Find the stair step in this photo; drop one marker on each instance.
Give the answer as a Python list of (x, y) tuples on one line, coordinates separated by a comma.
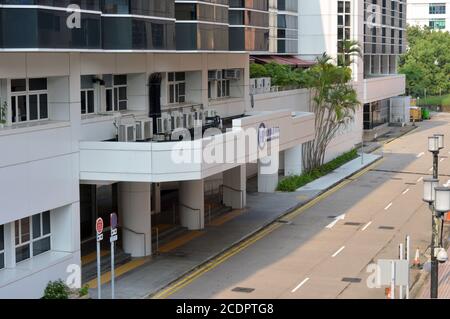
[(89, 271), (169, 234)]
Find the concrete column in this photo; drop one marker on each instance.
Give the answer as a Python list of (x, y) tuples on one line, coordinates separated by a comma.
[(235, 187), (135, 210), (268, 173), (157, 197), (192, 204), (293, 161), (10, 245)]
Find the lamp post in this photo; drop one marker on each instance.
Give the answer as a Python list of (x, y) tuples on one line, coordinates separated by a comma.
[(435, 144)]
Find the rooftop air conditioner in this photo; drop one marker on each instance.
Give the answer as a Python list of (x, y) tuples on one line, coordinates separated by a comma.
[(144, 129), (127, 133), (233, 74), (160, 125), (211, 113)]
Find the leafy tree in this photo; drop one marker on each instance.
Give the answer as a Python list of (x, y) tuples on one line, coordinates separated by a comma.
[(334, 102), (282, 75), (427, 62), (350, 50)]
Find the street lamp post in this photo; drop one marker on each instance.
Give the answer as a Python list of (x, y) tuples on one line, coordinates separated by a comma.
[(435, 144)]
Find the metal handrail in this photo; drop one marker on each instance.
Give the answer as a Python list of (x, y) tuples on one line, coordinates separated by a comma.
[(198, 210), (234, 190), (137, 233)]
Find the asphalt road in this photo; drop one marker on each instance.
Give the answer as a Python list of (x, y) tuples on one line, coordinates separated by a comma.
[(313, 256)]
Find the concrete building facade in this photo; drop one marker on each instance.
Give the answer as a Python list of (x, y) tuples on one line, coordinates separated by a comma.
[(433, 14)]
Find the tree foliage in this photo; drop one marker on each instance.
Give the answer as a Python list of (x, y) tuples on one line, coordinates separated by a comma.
[(334, 102), (427, 62), (282, 75)]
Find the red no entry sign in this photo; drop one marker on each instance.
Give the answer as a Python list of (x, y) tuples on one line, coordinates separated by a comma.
[(99, 226)]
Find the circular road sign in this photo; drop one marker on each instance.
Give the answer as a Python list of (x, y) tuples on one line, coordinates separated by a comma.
[(99, 226)]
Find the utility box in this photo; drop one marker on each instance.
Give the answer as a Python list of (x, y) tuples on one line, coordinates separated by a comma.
[(416, 114)]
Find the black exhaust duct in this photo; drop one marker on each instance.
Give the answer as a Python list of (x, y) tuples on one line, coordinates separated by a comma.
[(154, 98)]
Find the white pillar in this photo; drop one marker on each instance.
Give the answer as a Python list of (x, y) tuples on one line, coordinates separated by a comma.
[(235, 187), (135, 210), (268, 173), (293, 161), (192, 204)]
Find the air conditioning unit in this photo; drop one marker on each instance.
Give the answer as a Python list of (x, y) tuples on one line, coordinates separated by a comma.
[(127, 133), (144, 129), (177, 119), (233, 74), (213, 75), (210, 113), (267, 84), (198, 115), (188, 120), (160, 125)]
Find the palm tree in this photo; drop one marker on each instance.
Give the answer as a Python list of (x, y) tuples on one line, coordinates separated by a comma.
[(350, 50)]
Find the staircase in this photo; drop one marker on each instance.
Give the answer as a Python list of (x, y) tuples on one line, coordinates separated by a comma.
[(89, 271)]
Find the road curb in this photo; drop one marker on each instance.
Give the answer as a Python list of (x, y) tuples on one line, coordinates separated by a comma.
[(260, 229)]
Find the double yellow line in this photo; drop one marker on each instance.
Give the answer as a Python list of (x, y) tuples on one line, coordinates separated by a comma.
[(186, 280)]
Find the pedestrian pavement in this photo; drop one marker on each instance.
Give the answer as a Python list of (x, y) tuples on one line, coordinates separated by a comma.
[(159, 271), (444, 282)]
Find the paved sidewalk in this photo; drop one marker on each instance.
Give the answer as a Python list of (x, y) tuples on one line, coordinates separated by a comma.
[(263, 209), (444, 282)]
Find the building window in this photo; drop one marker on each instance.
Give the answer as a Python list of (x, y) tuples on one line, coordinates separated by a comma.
[(437, 24), (176, 87), (87, 95), (437, 8), (344, 26), (29, 100), (2, 247), (116, 92), (223, 86), (32, 236)]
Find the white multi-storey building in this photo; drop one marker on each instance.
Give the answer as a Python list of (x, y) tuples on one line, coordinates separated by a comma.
[(91, 115), (433, 14), (380, 27)]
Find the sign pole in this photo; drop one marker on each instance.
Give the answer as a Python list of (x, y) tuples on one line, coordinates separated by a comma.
[(99, 282), (401, 254), (392, 280), (113, 239), (99, 230), (408, 243), (112, 270)]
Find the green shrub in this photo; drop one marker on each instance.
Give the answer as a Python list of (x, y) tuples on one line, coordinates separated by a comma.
[(83, 291), (258, 71), (292, 183), (56, 290)]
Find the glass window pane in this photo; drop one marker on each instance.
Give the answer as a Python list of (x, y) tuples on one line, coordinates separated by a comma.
[(36, 226), (109, 100), (171, 93), (182, 89), (22, 253), (46, 223), (171, 77), (83, 102), (22, 108), (120, 80), (90, 102), (17, 232), (2, 261), (108, 80), (33, 99), (38, 84), (13, 109), (2, 238), (41, 246), (25, 229), (123, 105), (116, 98), (18, 85), (43, 106), (180, 76), (122, 93)]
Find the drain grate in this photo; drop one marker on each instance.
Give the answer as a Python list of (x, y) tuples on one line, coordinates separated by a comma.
[(386, 227), (179, 254), (331, 217), (411, 184), (396, 178), (243, 290), (352, 280), (286, 222), (352, 224)]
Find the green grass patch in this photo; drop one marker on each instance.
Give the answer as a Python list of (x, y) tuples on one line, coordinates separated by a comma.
[(443, 100), (292, 183)]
